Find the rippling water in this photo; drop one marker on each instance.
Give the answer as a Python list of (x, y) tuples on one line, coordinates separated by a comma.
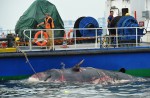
[(25, 89)]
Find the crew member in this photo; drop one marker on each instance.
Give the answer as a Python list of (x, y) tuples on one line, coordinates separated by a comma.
[(3, 35), (49, 24), (110, 18)]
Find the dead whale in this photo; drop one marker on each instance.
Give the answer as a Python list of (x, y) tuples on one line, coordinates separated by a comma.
[(82, 75)]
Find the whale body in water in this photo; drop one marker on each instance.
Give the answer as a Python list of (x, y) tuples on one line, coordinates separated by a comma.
[(81, 75)]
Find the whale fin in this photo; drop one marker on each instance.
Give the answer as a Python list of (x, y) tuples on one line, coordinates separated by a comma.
[(63, 65), (76, 68)]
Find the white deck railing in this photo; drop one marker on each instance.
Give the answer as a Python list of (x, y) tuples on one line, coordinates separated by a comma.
[(98, 41)]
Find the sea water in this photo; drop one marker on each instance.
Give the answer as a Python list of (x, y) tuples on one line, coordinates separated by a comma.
[(25, 89)]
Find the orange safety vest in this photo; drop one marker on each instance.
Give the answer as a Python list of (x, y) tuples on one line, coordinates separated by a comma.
[(49, 25)]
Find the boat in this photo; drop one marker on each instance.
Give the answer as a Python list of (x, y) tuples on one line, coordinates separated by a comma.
[(126, 50), (22, 61)]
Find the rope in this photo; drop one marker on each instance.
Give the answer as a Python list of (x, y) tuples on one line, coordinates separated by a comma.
[(27, 60)]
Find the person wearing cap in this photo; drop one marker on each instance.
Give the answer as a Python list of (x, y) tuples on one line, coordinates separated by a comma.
[(49, 24)]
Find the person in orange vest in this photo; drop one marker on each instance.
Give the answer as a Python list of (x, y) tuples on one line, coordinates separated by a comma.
[(49, 24)]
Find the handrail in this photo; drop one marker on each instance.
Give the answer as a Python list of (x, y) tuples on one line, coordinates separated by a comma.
[(98, 38), (91, 28), (25, 34)]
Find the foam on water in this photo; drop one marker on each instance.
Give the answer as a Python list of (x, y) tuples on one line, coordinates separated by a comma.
[(25, 89)]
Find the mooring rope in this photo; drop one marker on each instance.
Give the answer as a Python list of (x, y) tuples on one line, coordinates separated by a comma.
[(27, 60)]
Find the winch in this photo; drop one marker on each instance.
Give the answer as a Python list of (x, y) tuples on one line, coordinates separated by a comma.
[(128, 30)]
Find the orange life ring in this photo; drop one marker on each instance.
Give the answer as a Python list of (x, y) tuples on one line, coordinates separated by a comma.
[(44, 42), (67, 36), (70, 31)]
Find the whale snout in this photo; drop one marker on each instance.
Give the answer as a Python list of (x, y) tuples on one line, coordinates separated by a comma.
[(32, 79), (37, 77)]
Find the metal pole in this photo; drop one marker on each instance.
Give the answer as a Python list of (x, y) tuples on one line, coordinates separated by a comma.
[(136, 37), (116, 37), (96, 38), (53, 38), (41, 35), (75, 40), (30, 41), (100, 43)]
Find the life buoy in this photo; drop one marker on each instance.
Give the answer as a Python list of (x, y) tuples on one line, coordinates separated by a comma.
[(68, 35), (44, 42)]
